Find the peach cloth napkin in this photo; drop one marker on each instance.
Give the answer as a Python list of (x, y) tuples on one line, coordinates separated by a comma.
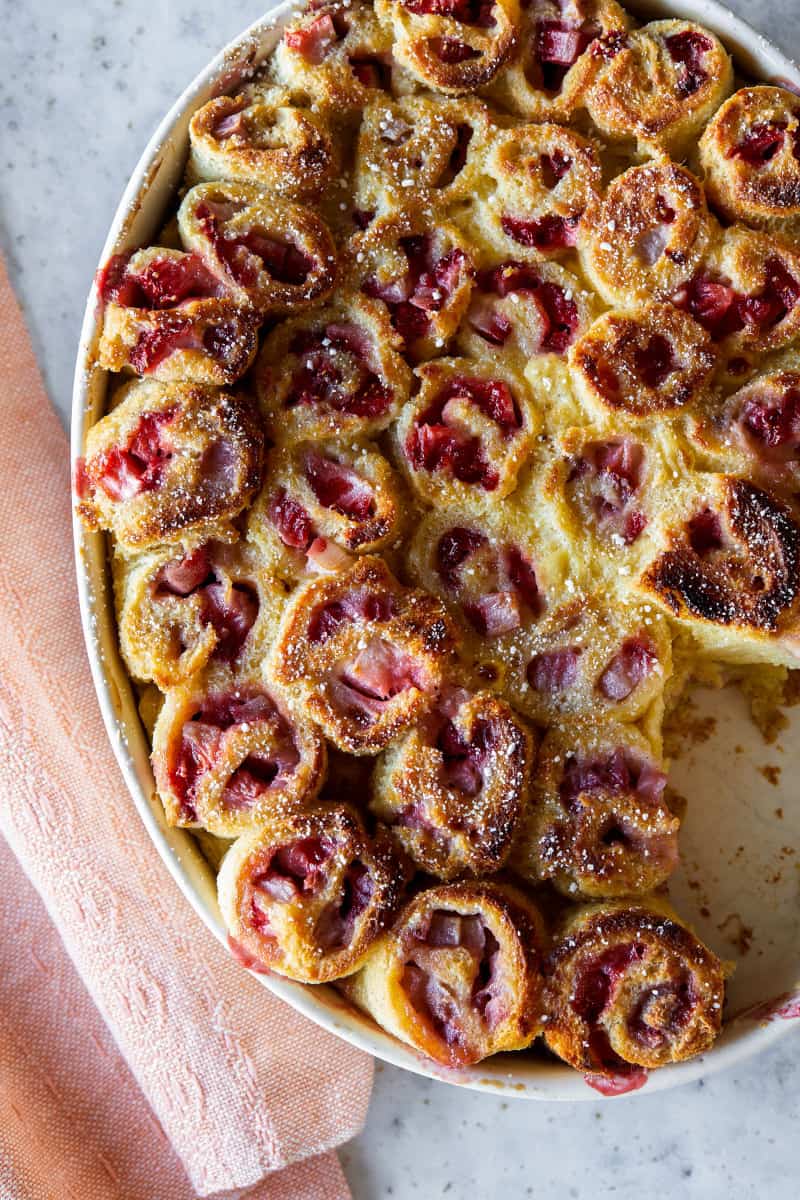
[(240, 1085)]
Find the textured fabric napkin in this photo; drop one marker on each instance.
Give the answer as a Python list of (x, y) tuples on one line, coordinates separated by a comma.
[(241, 1086)]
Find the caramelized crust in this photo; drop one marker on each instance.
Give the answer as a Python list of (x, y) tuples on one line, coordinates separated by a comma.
[(647, 236), (259, 136), (168, 461), (630, 987), (180, 608), (451, 47), (335, 373), (597, 825), (273, 254), (659, 85), (307, 895), (731, 565), (656, 362), (750, 153), (228, 756), (464, 436), (361, 656), (452, 791), (560, 49), (458, 977)]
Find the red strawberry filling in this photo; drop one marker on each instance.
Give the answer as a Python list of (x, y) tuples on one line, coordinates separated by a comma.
[(339, 487), (611, 474), (451, 51), (598, 980), (458, 156), (554, 671), (424, 289), (333, 373), (760, 144), (294, 870), (203, 741), (687, 50), (550, 232), (314, 41), (369, 607), (164, 283), (362, 687), (723, 311), (294, 525), (467, 12), (557, 46), (558, 313), (336, 923), (512, 591), (247, 255), (436, 442), (463, 761), (656, 361), (630, 666), (436, 1003), (772, 421), (371, 71), (232, 616), (615, 773), (125, 472)]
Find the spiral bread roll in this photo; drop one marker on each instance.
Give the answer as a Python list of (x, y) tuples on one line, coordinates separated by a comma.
[(758, 431), (227, 755), (338, 53), (545, 178), (629, 987), (306, 895), (335, 373), (321, 500), (180, 608), (659, 85), (169, 460), (464, 436), (451, 46), (747, 293), (750, 153), (273, 254), (597, 825), (729, 568), (421, 272), (459, 975), (453, 789), (524, 309), (647, 235), (560, 47), (585, 658), (167, 316), (360, 655), (259, 136), (418, 151), (600, 493), (655, 362)]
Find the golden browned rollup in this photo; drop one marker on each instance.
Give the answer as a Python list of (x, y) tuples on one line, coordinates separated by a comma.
[(307, 895), (458, 977)]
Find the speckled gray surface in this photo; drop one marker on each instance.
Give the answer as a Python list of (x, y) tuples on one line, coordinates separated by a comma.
[(82, 84)]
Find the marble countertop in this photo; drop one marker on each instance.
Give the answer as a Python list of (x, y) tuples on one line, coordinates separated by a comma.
[(82, 85)]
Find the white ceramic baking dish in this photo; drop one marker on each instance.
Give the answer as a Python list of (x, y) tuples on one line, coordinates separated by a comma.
[(738, 884)]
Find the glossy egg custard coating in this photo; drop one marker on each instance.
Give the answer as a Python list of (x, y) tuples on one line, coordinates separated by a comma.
[(453, 418)]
